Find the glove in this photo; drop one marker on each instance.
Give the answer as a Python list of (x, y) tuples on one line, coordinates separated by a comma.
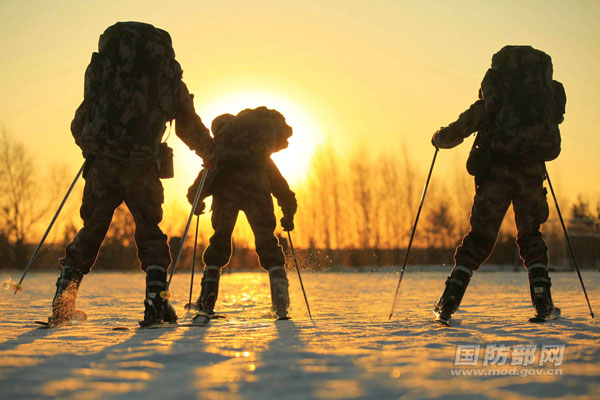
[(434, 138), (200, 208), (210, 161), (287, 223), (191, 194)]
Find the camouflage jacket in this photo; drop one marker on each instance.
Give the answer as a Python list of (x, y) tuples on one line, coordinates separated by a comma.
[(267, 178)]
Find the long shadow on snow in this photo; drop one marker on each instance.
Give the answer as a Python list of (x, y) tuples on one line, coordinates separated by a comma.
[(27, 337), (289, 370), (144, 356), (178, 375)]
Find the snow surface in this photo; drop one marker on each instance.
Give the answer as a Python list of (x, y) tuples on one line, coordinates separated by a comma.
[(350, 351)]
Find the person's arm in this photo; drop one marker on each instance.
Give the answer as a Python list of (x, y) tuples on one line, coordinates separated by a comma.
[(286, 198), (190, 129), (468, 122), (92, 83), (560, 101), (472, 120), (191, 194)]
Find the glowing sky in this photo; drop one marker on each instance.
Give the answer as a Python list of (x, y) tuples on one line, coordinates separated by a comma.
[(373, 73)]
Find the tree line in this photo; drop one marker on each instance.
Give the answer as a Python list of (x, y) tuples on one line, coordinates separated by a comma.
[(356, 209)]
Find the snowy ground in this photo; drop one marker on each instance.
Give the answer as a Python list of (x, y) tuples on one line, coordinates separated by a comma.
[(350, 351)]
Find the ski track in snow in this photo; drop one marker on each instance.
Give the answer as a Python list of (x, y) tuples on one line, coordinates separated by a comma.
[(350, 351)]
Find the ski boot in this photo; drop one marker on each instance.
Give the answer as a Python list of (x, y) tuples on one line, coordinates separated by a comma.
[(539, 286), (280, 297), (157, 308), (456, 284), (63, 304), (210, 290), (205, 304)]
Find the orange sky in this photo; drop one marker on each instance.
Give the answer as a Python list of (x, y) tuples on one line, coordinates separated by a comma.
[(377, 74)]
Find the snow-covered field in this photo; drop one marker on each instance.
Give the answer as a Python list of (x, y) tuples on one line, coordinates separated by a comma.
[(350, 351)]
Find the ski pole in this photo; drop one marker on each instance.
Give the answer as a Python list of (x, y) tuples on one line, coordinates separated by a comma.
[(412, 235), (18, 286), (189, 305), (165, 294), (299, 276), (562, 222)]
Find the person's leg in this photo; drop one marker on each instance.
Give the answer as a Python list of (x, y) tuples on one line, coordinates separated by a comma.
[(218, 252), (491, 202), (531, 210), (261, 216), (101, 196), (492, 199), (100, 199), (144, 196)]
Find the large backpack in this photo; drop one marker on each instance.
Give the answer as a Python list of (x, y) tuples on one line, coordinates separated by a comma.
[(530, 105), (251, 137), (131, 83)]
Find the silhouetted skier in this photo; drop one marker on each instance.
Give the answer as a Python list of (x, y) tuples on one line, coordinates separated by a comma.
[(517, 117), (133, 87), (243, 180)]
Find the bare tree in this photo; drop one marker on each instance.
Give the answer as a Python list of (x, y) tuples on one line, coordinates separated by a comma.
[(360, 180), (21, 206)]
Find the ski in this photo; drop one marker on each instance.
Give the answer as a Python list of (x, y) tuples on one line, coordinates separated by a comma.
[(162, 325), (158, 326), (554, 314), (78, 318), (439, 318), (194, 306), (197, 321), (201, 319), (44, 325)]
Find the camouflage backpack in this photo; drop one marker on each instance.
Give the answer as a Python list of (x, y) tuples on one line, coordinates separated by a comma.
[(131, 83), (529, 103), (251, 137)]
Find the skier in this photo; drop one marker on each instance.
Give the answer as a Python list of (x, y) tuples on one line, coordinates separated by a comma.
[(517, 117), (132, 88), (244, 180)]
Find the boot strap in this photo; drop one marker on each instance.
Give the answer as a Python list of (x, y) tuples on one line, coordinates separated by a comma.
[(209, 279), (539, 280), (156, 283), (456, 281), (537, 266), (155, 267), (279, 280), (463, 269), (67, 282), (273, 269)]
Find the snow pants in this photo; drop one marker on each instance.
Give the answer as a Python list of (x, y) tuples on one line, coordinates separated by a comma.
[(108, 183), (245, 192), (508, 181)]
